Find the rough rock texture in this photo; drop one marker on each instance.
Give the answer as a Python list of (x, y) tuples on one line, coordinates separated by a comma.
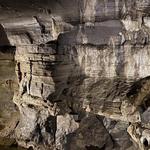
[(83, 72), (9, 116)]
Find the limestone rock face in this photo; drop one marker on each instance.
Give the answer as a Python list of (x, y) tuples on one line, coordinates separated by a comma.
[(9, 115), (78, 72)]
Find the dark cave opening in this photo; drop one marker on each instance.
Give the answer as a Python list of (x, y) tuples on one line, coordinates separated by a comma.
[(146, 103), (30, 148), (91, 147), (145, 142)]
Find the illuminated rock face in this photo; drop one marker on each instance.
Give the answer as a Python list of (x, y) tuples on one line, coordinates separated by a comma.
[(82, 73)]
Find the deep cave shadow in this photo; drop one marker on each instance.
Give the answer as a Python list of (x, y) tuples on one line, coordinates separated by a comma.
[(3, 37), (87, 125), (137, 87), (51, 126), (65, 49), (91, 147), (63, 71)]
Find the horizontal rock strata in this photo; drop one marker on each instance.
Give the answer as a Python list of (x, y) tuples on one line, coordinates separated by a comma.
[(82, 73)]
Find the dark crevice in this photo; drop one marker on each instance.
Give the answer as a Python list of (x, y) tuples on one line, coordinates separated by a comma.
[(53, 44), (19, 71), (137, 86), (30, 38), (30, 75), (145, 142), (31, 106), (30, 148), (42, 87), (7, 49), (42, 26), (91, 147), (3, 37), (146, 103), (50, 125)]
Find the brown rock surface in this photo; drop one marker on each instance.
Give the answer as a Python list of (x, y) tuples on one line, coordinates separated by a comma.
[(82, 73)]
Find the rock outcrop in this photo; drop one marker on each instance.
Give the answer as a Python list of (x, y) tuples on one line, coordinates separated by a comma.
[(82, 77)]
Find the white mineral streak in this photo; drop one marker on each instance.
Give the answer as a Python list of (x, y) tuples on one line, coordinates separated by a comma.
[(147, 21), (89, 10), (81, 36), (116, 6), (92, 66), (124, 9), (131, 25), (106, 8), (140, 60)]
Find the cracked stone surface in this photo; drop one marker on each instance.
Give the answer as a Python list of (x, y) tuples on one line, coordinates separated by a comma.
[(75, 75)]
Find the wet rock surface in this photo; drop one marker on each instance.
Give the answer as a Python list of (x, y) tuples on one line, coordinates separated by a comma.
[(78, 72)]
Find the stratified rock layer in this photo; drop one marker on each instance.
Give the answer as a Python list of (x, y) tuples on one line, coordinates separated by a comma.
[(83, 71)]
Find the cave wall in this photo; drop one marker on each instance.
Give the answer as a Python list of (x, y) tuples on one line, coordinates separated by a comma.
[(9, 115), (83, 71)]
